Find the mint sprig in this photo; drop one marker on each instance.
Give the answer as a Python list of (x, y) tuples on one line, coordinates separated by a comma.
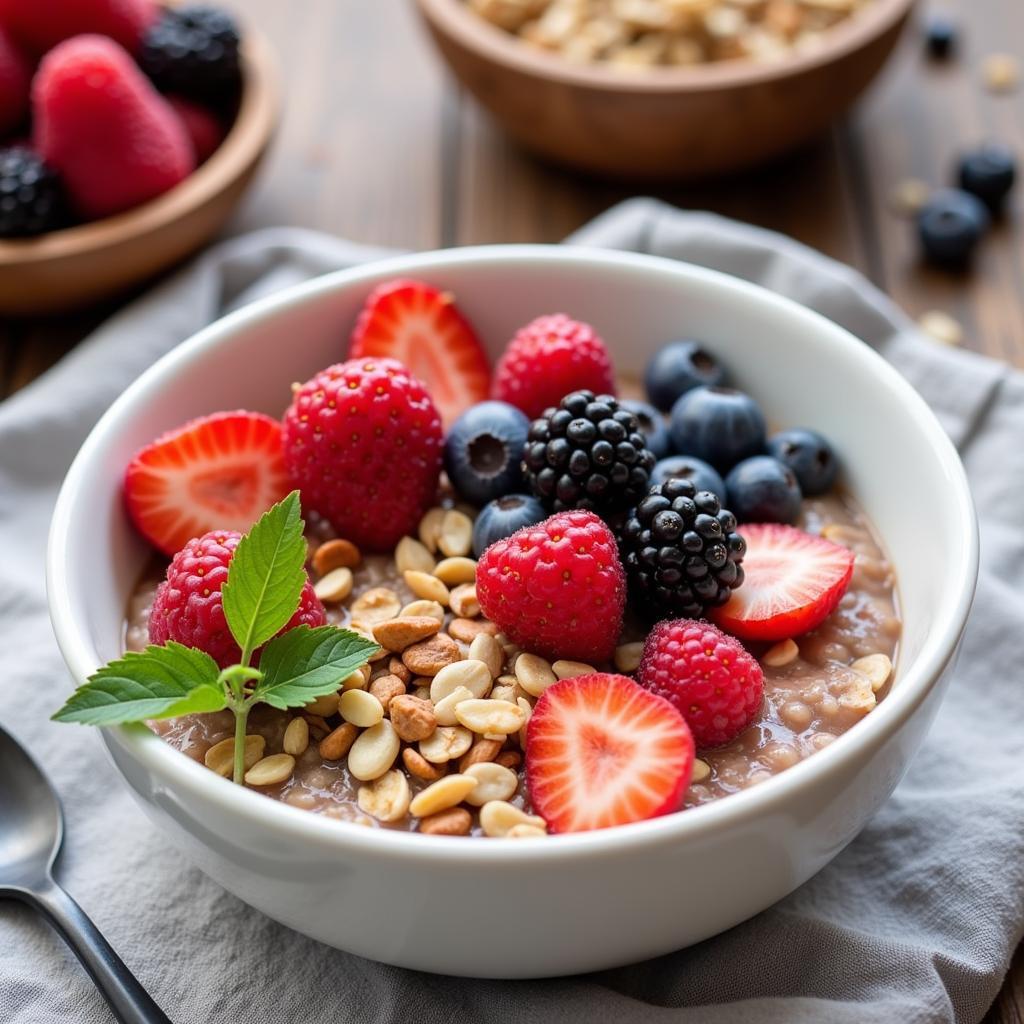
[(261, 594)]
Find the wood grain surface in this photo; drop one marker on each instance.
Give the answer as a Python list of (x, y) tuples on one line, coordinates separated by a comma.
[(377, 145)]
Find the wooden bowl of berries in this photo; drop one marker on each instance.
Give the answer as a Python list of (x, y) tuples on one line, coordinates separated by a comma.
[(128, 133), (662, 89)]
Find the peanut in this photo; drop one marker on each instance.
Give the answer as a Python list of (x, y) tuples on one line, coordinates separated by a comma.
[(480, 753), (473, 675), (335, 586), (465, 630), (411, 554), (425, 586), (220, 758), (296, 737), (428, 657), (416, 764), (455, 821), (441, 795), (446, 743), (386, 798), (498, 816), (273, 770), (374, 752), (456, 536), (453, 571), (335, 745), (360, 708), (396, 635)]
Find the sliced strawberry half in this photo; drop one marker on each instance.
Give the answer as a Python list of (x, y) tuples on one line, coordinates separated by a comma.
[(603, 751), (220, 472), (422, 328), (792, 582)]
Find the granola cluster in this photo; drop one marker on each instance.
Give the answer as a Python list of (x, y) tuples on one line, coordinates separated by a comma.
[(637, 34)]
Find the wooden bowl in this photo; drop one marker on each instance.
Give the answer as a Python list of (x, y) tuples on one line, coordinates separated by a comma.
[(664, 122), (80, 265)]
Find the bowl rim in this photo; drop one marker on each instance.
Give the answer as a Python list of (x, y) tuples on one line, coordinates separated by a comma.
[(294, 824), (454, 19), (249, 135)]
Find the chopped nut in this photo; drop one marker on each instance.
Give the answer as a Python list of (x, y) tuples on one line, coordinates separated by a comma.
[(273, 770), (456, 570), (374, 752), (481, 752), (411, 554), (360, 708), (220, 758), (627, 656), (337, 744), (416, 764), (428, 657), (571, 669), (876, 667), (398, 634), (498, 816), (296, 737), (455, 821), (396, 667), (441, 795), (464, 602), (386, 798), (375, 605), (456, 537), (493, 782), (858, 696), (386, 689), (466, 630), (430, 529), (509, 759), (486, 649), (425, 586), (781, 654), (413, 719), (446, 743), (534, 674), (475, 676), (490, 716), (334, 587), (444, 709), (701, 770), (419, 608), (335, 554)]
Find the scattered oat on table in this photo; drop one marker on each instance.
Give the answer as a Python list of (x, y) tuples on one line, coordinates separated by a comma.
[(941, 327), (1001, 72)]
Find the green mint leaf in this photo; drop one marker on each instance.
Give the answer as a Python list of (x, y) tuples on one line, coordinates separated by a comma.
[(305, 663), (159, 682), (265, 576)]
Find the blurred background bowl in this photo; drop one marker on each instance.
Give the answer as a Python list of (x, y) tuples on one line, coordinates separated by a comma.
[(663, 122), (81, 265)]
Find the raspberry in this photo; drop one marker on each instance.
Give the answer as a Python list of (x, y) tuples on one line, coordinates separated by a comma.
[(557, 588), (100, 123), (204, 128), (362, 441), (709, 677), (188, 606), (549, 358), (41, 26)]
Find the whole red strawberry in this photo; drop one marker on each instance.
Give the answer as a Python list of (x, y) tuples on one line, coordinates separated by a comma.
[(547, 359), (557, 588), (15, 77), (188, 607), (42, 26), (99, 122), (362, 442), (710, 678)]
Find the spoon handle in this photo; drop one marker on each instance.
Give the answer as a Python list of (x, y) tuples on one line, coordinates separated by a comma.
[(128, 1000)]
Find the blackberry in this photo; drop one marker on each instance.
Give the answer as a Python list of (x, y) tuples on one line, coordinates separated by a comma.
[(681, 552), (588, 453), (31, 196), (193, 52)]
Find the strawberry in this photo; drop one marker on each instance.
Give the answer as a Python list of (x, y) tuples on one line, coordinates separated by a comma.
[(362, 441), (547, 359), (15, 77), (42, 26), (421, 327), (793, 582), (100, 123), (556, 588), (220, 472), (602, 751)]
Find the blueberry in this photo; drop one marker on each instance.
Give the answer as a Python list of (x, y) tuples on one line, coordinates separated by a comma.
[(763, 490), (950, 225), (502, 517), (940, 36), (652, 425), (988, 172), (719, 425), (686, 467), (810, 457), (677, 368), (484, 450)]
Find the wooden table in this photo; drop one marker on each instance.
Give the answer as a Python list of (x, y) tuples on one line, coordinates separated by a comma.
[(379, 146)]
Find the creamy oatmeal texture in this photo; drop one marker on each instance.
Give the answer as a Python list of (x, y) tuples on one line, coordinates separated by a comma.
[(815, 689)]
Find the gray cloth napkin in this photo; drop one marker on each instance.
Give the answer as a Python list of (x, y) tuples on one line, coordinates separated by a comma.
[(916, 921)]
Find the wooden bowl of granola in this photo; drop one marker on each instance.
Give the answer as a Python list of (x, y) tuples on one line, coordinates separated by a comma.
[(628, 113)]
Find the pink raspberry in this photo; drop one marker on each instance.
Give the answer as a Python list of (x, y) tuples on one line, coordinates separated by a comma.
[(188, 606), (557, 588), (711, 679), (547, 359)]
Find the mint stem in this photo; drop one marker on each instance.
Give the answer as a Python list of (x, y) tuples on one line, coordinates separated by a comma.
[(234, 679), (241, 718)]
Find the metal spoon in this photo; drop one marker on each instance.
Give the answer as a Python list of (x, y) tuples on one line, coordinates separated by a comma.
[(31, 829)]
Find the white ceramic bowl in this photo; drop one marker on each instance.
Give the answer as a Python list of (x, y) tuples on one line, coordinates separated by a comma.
[(567, 903)]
